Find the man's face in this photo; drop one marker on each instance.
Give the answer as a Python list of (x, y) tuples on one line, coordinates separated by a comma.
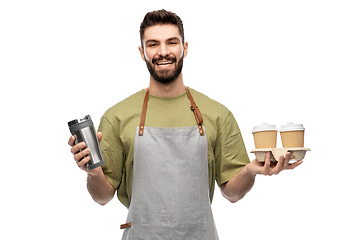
[(163, 52)]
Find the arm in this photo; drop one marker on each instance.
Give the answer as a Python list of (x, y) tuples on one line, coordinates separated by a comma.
[(98, 186), (240, 184)]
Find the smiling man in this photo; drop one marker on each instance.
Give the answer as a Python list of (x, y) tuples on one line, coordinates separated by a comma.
[(165, 147), (165, 67)]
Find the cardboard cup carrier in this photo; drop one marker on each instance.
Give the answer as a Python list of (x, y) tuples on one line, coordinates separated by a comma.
[(292, 136)]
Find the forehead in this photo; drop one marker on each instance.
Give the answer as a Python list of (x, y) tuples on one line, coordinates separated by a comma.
[(161, 32)]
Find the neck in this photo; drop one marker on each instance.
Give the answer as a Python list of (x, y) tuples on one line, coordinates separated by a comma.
[(173, 89)]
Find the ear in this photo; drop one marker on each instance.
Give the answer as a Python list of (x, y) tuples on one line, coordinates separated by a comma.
[(185, 49), (142, 54)]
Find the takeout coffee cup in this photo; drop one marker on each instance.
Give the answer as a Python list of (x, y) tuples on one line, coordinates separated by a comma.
[(292, 135), (265, 136)]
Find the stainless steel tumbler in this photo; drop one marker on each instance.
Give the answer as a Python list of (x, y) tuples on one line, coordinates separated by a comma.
[(85, 131)]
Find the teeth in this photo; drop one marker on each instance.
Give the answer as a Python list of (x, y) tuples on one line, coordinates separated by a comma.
[(164, 63)]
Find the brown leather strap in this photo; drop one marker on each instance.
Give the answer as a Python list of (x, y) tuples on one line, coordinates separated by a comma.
[(196, 112), (194, 108), (143, 114), (126, 225)]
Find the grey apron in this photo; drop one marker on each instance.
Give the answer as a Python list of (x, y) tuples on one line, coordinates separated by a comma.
[(170, 192)]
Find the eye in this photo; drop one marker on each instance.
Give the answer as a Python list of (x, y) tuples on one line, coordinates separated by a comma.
[(152, 44)]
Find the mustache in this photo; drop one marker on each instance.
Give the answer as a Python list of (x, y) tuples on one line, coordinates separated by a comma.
[(167, 58)]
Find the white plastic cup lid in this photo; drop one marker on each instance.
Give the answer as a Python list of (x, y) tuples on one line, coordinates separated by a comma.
[(264, 127), (292, 127)]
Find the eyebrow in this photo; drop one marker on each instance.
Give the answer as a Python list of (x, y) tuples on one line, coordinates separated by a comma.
[(173, 38), (169, 39)]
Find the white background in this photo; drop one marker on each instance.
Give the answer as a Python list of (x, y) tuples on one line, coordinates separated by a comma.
[(267, 61)]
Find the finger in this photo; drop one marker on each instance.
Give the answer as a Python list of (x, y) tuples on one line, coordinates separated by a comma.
[(80, 155), (83, 162), (279, 166), (267, 164), (286, 160), (294, 165), (71, 141), (78, 147)]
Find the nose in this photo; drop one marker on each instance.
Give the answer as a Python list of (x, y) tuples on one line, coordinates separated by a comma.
[(163, 50)]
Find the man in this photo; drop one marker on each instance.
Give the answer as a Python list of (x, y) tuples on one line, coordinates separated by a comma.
[(162, 145)]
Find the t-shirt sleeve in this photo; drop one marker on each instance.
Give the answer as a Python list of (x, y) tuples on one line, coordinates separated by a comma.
[(112, 152), (230, 152)]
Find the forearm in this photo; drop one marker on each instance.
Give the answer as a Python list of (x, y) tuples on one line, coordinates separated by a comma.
[(99, 188), (239, 185)]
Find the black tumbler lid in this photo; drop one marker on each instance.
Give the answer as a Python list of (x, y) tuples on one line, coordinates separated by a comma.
[(80, 123)]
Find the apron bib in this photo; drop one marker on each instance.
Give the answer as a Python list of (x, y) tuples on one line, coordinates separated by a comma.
[(170, 192)]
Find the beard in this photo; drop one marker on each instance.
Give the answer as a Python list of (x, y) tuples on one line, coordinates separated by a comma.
[(165, 75)]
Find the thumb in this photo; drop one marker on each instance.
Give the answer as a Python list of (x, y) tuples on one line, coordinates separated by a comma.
[(99, 136), (71, 141)]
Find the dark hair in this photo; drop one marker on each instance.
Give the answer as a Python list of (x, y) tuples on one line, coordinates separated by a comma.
[(161, 17)]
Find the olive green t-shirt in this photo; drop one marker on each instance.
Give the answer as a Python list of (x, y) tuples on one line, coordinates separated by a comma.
[(226, 151)]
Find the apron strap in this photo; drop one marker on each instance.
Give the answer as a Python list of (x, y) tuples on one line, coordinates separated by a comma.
[(126, 225), (143, 114), (194, 108), (196, 112)]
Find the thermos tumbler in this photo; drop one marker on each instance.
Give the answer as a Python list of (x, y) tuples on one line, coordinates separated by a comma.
[(84, 130)]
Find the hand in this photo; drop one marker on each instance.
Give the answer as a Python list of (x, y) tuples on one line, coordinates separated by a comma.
[(269, 168), (80, 155)]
